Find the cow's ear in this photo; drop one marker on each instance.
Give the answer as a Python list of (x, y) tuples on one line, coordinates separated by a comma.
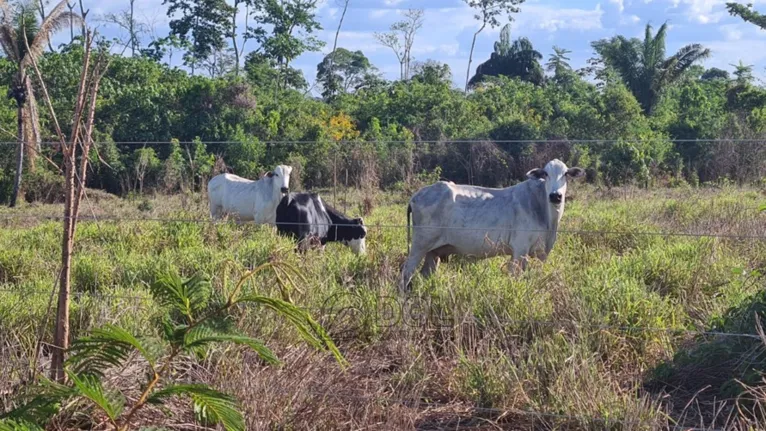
[(270, 174), (359, 221), (537, 174), (575, 172)]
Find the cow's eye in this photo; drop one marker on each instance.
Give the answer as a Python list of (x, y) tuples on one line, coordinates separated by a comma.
[(276, 175)]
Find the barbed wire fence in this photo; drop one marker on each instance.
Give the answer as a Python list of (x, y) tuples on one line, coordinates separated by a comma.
[(15, 354), (476, 160), (352, 142)]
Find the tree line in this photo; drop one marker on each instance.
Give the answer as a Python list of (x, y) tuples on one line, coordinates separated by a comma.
[(633, 114)]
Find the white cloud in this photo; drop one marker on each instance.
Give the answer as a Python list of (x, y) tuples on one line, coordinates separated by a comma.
[(553, 19), (630, 19), (725, 53), (378, 13), (353, 41), (450, 49), (392, 2), (620, 4), (702, 11), (731, 32)]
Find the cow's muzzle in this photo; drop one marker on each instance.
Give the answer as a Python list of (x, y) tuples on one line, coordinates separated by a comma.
[(555, 198), (285, 190)]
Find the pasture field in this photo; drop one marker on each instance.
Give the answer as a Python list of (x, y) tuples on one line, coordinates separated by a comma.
[(604, 335)]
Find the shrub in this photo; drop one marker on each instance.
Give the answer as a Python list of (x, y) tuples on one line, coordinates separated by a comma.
[(195, 320), (43, 186)]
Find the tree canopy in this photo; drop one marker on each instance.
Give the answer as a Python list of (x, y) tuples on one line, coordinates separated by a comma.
[(644, 103), (642, 64), (518, 59)]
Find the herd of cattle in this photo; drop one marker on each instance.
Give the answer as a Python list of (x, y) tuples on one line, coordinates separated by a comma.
[(447, 218)]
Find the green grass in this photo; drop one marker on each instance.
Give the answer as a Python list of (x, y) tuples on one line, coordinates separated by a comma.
[(561, 338)]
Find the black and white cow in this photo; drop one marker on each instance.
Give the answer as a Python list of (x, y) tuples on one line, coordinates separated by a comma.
[(305, 217)]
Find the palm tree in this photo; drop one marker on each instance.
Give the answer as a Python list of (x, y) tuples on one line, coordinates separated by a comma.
[(743, 73), (558, 62), (642, 65), (518, 59), (23, 40)]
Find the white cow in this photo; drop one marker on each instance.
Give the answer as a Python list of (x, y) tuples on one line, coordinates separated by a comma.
[(247, 199), (449, 218)]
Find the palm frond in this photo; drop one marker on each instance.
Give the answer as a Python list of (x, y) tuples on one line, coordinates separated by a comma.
[(9, 43), (41, 403), (214, 406), (26, 25), (91, 388), (648, 39), (654, 47), (7, 18), (186, 297), (11, 425), (627, 61), (673, 67), (201, 336), (57, 19), (311, 331), (172, 332), (104, 348)]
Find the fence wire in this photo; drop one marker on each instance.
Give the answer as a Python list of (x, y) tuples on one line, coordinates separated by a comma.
[(96, 219), (427, 141), (323, 312)]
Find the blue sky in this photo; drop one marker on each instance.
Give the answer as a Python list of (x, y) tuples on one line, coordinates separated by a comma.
[(449, 26)]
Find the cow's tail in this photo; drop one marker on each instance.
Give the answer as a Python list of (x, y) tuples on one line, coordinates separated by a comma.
[(409, 211)]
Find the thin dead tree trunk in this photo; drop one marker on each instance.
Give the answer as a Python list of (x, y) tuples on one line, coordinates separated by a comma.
[(74, 186), (335, 180), (20, 139), (337, 33), (234, 37), (33, 119), (83, 14), (71, 23), (345, 189), (132, 30), (61, 335), (470, 55)]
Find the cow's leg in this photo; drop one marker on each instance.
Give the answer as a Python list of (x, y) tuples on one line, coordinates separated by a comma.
[(301, 247), (430, 264), (517, 265), (520, 247), (215, 211), (540, 254), (413, 260)]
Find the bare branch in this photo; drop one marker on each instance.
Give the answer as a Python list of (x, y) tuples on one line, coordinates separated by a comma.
[(402, 47), (47, 98)]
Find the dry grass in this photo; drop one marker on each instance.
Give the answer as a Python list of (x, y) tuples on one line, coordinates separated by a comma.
[(543, 350)]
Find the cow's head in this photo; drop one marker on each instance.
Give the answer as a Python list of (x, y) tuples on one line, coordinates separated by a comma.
[(280, 179), (357, 233), (555, 174)]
